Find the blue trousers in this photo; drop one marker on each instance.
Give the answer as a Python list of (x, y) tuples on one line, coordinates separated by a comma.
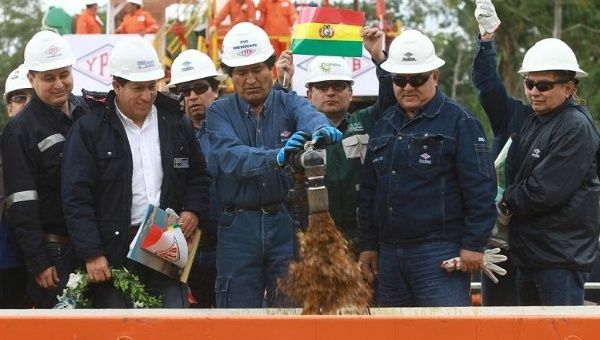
[(62, 255), (410, 276), (203, 276), (550, 287), (254, 250)]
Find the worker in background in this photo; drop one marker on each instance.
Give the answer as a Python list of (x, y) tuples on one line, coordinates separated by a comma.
[(13, 292), (329, 88), (32, 147), (88, 21), (137, 20), (238, 11), (277, 18), (253, 134), (193, 75)]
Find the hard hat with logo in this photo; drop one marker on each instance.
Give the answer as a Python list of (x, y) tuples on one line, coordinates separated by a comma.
[(192, 65), (549, 55), (17, 80), (47, 51), (324, 68), (246, 44), (412, 52), (134, 59), (136, 2)]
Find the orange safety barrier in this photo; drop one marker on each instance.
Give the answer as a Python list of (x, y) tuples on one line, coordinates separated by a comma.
[(500, 323)]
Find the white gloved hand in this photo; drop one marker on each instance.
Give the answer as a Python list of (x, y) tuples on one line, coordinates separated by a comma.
[(488, 264), (486, 16)]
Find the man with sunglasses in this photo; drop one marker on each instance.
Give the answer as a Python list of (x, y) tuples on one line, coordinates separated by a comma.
[(13, 293), (134, 149), (329, 88), (551, 200), (428, 187), (253, 133), (194, 76)]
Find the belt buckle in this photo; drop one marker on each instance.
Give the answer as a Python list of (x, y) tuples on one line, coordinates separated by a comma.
[(266, 211)]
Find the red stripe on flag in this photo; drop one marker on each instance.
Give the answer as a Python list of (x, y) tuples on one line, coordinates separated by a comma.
[(329, 15)]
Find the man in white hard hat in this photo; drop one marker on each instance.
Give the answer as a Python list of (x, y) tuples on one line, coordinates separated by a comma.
[(253, 133), (32, 146), (329, 88), (551, 200), (135, 149), (13, 293), (428, 187), (17, 91), (194, 76)]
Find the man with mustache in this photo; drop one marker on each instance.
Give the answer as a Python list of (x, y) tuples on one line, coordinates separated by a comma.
[(135, 149), (32, 147)]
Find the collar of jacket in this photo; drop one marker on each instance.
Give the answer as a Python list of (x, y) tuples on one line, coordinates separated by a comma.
[(247, 109), (430, 110), (75, 106), (569, 102)]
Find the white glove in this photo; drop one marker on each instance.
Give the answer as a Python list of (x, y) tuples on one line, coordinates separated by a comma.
[(486, 16), (488, 264)]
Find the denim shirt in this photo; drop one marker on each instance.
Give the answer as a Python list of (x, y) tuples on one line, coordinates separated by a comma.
[(427, 178), (245, 145)]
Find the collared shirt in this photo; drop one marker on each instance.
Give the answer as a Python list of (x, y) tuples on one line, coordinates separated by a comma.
[(147, 168), (245, 147)]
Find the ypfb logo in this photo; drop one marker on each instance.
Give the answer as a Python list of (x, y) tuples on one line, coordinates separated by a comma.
[(535, 153), (246, 53), (53, 51), (95, 64), (425, 158), (408, 56)]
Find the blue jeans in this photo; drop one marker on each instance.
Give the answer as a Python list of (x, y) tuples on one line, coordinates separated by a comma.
[(173, 294), (550, 287), (62, 255), (203, 276), (411, 276), (503, 293), (254, 251)]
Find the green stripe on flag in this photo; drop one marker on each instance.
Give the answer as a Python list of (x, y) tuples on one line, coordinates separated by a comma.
[(327, 47)]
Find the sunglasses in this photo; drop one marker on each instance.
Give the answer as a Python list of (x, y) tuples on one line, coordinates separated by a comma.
[(19, 98), (414, 81), (543, 85), (198, 88), (337, 86)]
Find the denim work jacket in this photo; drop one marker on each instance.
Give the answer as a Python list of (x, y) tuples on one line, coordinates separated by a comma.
[(428, 178)]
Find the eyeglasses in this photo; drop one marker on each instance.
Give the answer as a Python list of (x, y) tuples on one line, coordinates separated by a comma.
[(198, 88), (19, 98), (337, 86), (543, 85), (414, 81)]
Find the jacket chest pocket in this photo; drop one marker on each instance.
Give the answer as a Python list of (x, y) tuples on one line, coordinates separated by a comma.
[(425, 153), (110, 164), (379, 148), (355, 146)]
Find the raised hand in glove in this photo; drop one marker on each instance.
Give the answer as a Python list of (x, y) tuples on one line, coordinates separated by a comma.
[(325, 136), (488, 264), (294, 144), (486, 16)]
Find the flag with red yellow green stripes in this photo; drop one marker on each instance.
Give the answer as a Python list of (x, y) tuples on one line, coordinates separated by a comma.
[(328, 31)]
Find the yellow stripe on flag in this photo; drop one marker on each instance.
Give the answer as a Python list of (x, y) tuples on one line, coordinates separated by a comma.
[(338, 32)]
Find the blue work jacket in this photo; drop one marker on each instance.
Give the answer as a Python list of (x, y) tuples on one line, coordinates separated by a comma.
[(245, 147), (427, 178)]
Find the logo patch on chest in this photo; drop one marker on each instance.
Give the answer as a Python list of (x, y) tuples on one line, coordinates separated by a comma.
[(181, 163), (425, 158), (535, 153)]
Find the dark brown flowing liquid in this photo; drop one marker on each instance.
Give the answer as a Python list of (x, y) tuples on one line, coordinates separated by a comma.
[(326, 279)]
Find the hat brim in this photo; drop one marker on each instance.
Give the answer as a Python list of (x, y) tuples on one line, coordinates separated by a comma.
[(394, 68)]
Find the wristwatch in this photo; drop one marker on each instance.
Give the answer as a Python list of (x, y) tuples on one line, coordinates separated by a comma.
[(504, 208)]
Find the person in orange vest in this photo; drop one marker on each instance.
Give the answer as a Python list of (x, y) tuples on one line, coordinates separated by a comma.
[(137, 20), (238, 11), (277, 18), (88, 21)]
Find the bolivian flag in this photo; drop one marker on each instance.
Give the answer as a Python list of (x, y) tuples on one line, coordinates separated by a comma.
[(328, 31)]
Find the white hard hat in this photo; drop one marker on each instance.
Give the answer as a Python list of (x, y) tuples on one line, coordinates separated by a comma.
[(17, 80), (136, 2), (412, 52), (47, 51), (328, 68), (192, 65), (134, 59), (551, 55), (87, 3), (246, 44)]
